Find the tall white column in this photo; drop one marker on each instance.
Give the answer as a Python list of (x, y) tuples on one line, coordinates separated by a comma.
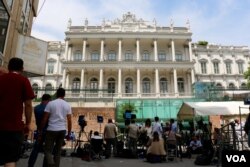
[(84, 50), (192, 76), (138, 82), (155, 50), (101, 83), (120, 50), (173, 50), (189, 85), (119, 82), (63, 78), (70, 53), (66, 49), (67, 81), (102, 50), (137, 50), (82, 79), (175, 82), (157, 89), (190, 51)]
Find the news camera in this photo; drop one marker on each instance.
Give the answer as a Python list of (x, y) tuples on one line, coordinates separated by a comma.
[(82, 122)]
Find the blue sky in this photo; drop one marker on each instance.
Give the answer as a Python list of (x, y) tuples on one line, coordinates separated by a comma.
[(225, 22)]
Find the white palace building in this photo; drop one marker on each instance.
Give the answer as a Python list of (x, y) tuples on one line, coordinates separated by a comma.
[(130, 58)]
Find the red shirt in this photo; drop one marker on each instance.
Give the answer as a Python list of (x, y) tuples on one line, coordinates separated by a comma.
[(14, 90)]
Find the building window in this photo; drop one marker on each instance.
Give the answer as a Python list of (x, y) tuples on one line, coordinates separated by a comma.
[(146, 85), (243, 86), (94, 84), (111, 85), (203, 67), (218, 86), (95, 56), (128, 85), (50, 69), (48, 88), (231, 86), (145, 56), (228, 68), (163, 85), (180, 83), (4, 26), (77, 56), (112, 56), (162, 56), (216, 67), (128, 56), (178, 57), (240, 68), (76, 85)]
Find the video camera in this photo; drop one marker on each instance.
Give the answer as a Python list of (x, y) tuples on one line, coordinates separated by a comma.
[(82, 122)]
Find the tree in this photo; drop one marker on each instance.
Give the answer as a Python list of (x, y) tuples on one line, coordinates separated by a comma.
[(247, 76), (125, 107), (203, 43)]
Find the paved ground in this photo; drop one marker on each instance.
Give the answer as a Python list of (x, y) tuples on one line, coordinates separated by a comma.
[(69, 161)]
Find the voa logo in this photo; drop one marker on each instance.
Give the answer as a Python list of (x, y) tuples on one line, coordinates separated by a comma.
[(236, 158)]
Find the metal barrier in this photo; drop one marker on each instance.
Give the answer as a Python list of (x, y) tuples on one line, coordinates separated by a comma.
[(231, 138)]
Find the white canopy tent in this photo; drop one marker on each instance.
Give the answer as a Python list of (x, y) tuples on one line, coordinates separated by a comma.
[(189, 110)]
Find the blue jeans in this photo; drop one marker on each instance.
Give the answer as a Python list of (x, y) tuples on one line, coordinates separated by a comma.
[(52, 149)]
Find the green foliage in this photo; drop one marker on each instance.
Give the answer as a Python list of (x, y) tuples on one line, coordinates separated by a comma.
[(247, 76), (203, 43), (123, 107)]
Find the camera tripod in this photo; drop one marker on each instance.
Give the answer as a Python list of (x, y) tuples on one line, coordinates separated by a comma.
[(79, 141)]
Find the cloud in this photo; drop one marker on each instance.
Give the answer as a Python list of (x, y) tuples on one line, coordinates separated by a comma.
[(224, 22)]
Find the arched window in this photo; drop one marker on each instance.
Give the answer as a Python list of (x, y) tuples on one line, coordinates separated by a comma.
[(231, 86), (35, 88), (243, 86), (146, 85), (218, 86), (77, 55), (111, 85), (48, 88), (76, 85), (128, 85), (163, 85), (180, 83)]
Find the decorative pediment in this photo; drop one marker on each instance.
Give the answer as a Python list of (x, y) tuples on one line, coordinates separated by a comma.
[(128, 18)]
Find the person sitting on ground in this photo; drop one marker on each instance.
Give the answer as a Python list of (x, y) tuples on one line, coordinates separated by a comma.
[(97, 145), (96, 136), (156, 151), (195, 146)]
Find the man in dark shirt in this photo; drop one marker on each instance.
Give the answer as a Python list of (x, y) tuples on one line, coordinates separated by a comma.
[(38, 110)]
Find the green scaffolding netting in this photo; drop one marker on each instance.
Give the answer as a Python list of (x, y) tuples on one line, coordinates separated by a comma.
[(149, 108)]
